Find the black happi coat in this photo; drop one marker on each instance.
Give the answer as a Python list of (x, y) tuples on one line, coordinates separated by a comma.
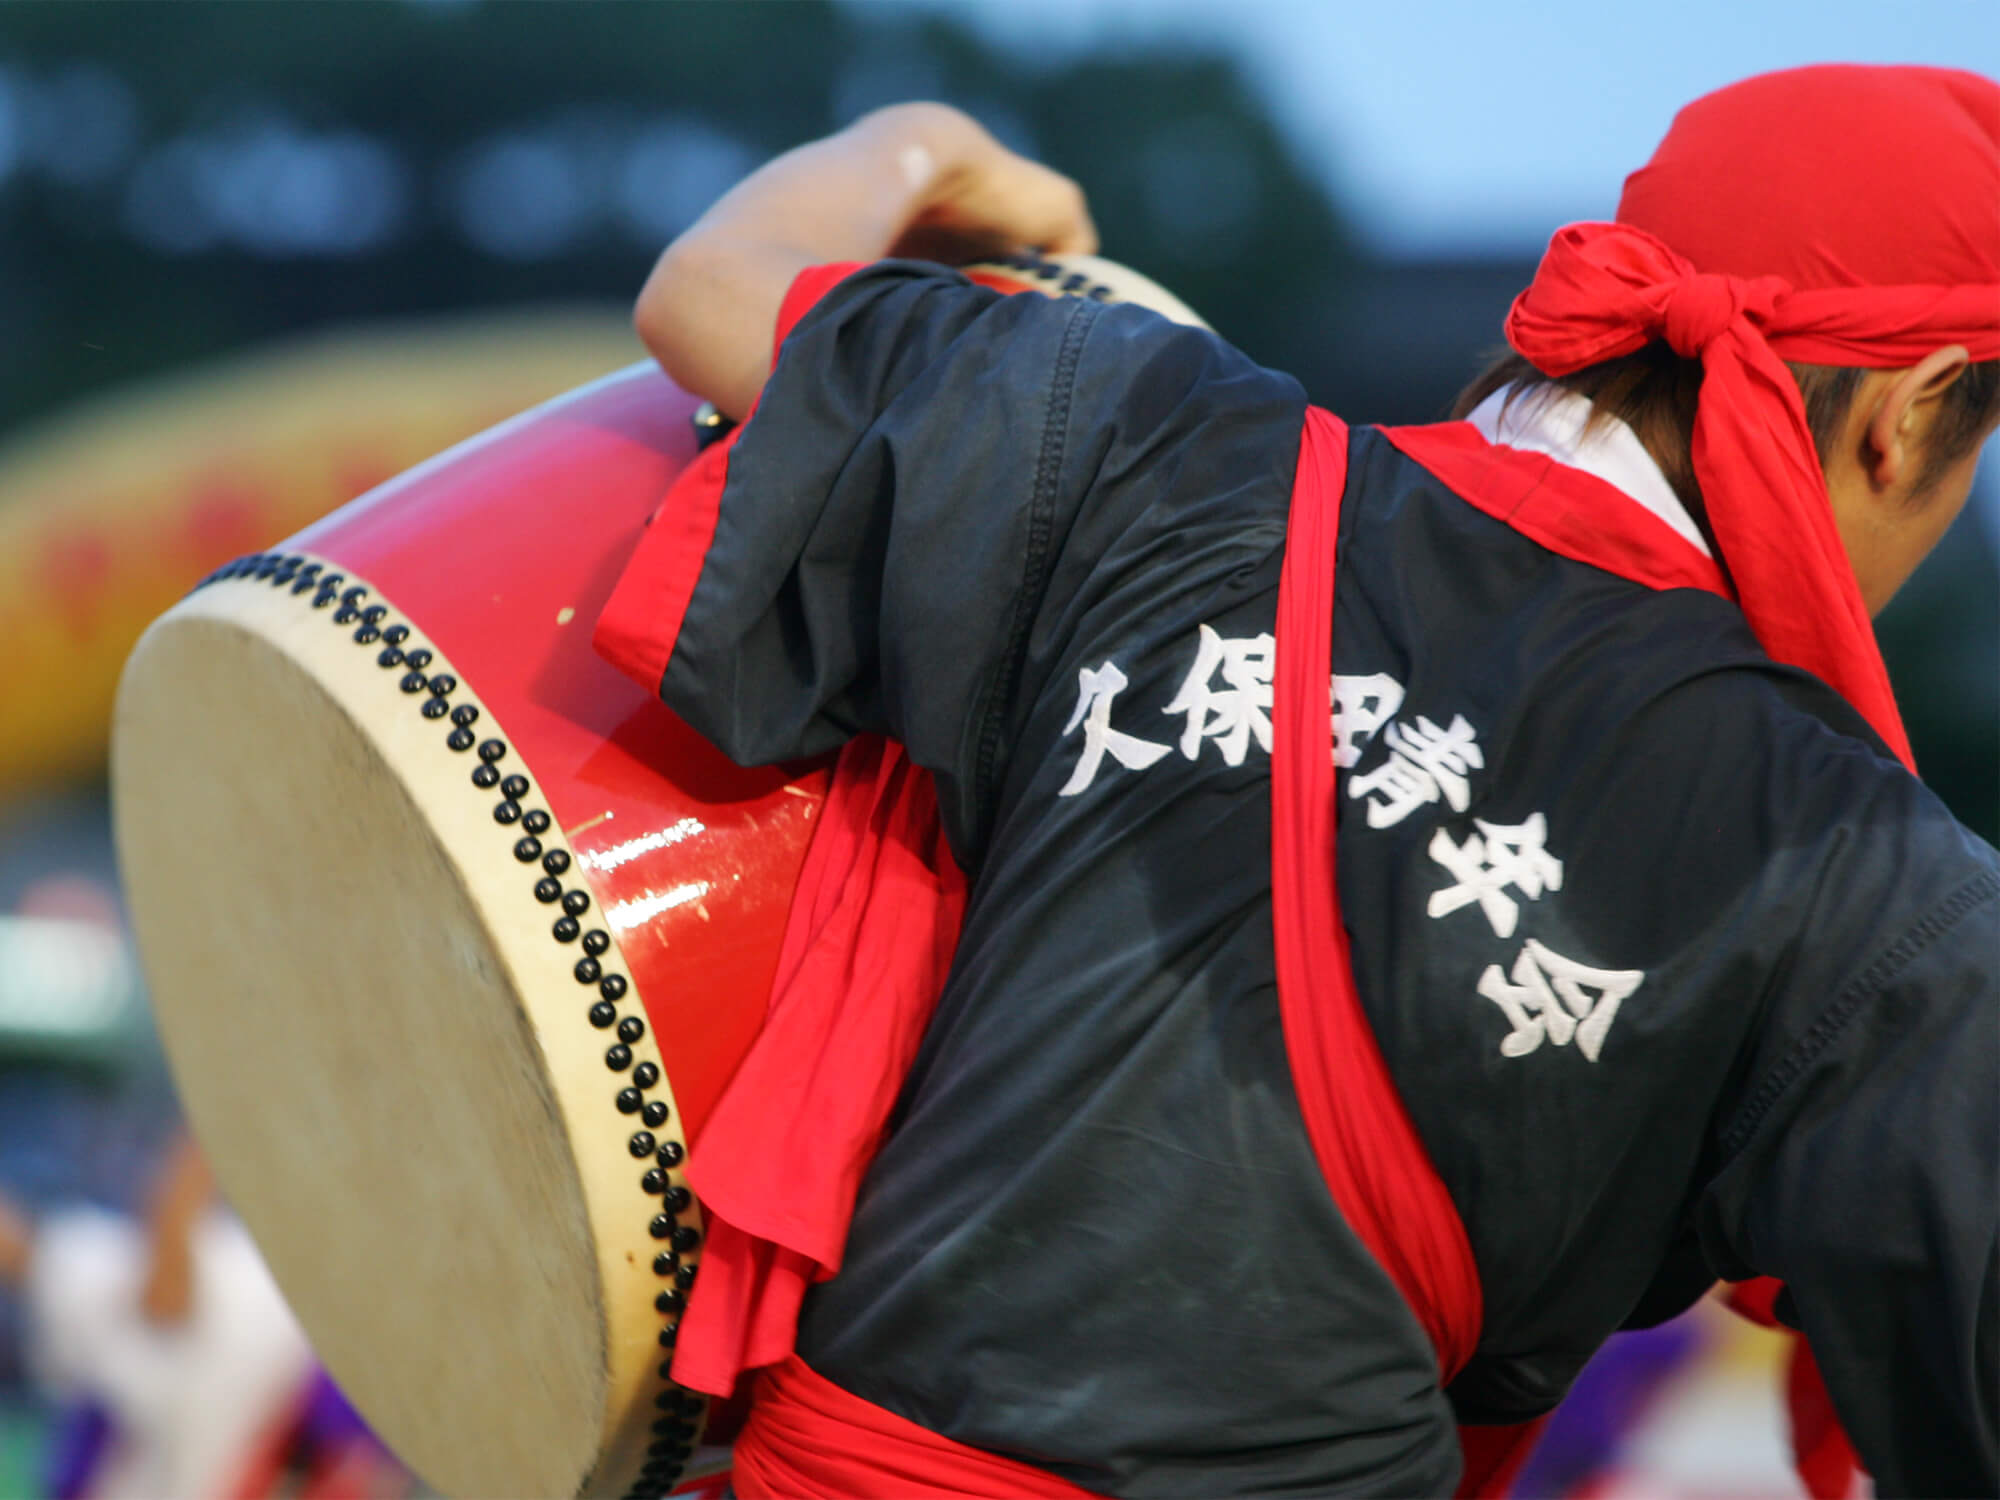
[(1678, 972)]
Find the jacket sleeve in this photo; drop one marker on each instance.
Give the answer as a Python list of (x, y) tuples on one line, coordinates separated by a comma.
[(1858, 1162), (934, 473)]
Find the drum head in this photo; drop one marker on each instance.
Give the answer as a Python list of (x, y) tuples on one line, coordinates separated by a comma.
[(361, 1019)]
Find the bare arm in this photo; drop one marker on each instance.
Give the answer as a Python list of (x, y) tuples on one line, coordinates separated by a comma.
[(916, 178)]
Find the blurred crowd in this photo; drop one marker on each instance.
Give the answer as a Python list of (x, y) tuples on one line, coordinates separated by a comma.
[(145, 1351)]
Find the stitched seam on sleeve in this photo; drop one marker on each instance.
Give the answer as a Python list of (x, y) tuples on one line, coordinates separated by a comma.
[(1035, 555), (1859, 991)]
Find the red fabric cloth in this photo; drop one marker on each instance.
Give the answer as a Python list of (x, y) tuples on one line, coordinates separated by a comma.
[(867, 945), (1493, 1456), (1573, 514), (1369, 1152), (808, 1437), (1759, 233), (1832, 176), (867, 942), (1821, 1452), (637, 627)]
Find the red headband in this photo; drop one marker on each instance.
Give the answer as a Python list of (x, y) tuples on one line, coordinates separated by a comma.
[(1835, 215)]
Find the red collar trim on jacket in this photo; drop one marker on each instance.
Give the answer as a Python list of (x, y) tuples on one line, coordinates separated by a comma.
[(1572, 513)]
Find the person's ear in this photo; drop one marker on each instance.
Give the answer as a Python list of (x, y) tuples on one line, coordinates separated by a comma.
[(1896, 432)]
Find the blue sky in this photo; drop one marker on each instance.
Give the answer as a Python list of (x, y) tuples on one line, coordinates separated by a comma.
[(1449, 126)]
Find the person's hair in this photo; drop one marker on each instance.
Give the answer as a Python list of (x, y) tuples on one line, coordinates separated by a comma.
[(1655, 392)]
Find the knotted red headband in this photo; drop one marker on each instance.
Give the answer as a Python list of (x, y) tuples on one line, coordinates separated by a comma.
[(1830, 215)]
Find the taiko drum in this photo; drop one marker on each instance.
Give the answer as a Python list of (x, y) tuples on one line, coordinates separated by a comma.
[(455, 935)]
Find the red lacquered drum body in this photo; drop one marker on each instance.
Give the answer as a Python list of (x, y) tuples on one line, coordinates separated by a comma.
[(503, 552), (455, 934)]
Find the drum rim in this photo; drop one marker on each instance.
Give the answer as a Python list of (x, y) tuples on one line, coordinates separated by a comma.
[(1095, 278), (649, 1431)]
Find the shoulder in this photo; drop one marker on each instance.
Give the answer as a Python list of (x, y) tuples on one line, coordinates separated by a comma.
[(1155, 367)]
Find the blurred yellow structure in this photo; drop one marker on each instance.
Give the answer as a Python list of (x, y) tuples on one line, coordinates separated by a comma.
[(113, 510)]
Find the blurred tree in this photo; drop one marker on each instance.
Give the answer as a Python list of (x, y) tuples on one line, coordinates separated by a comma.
[(183, 179)]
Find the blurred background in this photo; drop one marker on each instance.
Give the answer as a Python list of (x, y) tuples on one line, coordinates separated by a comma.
[(255, 258)]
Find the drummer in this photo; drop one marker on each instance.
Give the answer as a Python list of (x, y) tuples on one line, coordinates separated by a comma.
[(1672, 962)]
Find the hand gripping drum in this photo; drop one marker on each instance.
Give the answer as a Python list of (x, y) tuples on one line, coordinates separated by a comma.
[(455, 935)]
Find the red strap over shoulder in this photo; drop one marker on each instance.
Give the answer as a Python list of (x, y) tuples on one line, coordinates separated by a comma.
[(1374, 1163), (1573, 514)]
